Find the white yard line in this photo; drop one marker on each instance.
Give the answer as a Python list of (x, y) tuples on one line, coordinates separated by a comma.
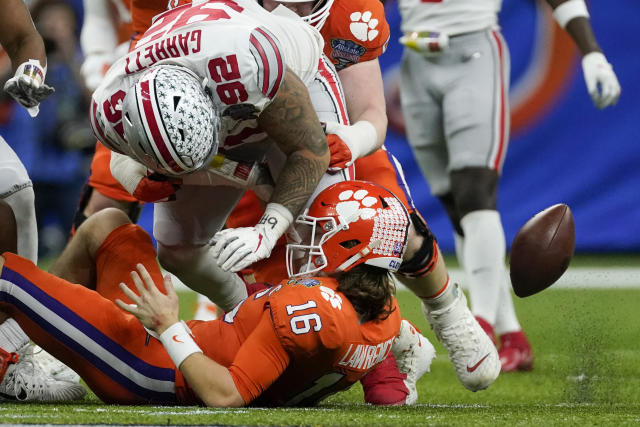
[(584, 278), (574, 278)]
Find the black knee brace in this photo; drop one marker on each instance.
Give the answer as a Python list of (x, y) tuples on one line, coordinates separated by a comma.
[(474, 189), (133, 211), (426, 257)]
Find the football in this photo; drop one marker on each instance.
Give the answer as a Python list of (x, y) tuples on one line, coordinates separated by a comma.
[(541, 250)]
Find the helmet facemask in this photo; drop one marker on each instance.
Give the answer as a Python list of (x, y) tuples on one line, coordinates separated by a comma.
[(349, 223)]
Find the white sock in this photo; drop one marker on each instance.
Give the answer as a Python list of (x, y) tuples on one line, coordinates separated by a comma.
[(22, 203), (506, 319), (458, 241), (484, 256), (444, 298), (12, 337)]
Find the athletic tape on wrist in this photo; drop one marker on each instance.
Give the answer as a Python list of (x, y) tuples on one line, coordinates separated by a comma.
[(276, 219), (33, 69), (367, 139), (569, 10), (178, 343)]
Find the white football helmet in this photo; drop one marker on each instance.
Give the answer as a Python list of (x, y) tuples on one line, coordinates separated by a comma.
[(319, 13), (170, 122), (351, 222)]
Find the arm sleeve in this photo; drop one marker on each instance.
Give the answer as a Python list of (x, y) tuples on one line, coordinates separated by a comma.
[(260, 360)]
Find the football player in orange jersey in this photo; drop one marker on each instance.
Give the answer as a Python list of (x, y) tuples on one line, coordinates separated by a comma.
[(355, 34), (314, 335)]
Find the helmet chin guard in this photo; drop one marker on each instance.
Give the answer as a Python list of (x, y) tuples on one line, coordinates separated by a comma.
[(170, 122)]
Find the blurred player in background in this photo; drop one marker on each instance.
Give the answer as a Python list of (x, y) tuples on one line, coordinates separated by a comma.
[(25, 379), (310, 334), (454, 88)]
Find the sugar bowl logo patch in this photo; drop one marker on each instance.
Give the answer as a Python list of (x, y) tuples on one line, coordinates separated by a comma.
[(346, 52)]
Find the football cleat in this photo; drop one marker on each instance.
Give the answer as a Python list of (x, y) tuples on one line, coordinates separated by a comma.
[(384, 384), (486, 326), (413, 353), (53, 367), (474, 357), (515, 352), (25, 381)]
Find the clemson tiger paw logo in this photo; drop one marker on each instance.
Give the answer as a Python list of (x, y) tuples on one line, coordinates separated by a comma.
[(363, 26), (356, 204), (329, 295)]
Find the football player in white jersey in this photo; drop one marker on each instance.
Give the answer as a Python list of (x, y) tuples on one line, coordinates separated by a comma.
[(196, 83), (454, 87), (21, 375)]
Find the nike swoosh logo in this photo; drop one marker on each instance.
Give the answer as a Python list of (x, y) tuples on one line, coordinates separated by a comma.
[(175, 338), (474, 367), (259, 242)]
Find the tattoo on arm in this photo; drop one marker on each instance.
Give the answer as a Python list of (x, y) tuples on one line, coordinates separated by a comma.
[(293, 124)]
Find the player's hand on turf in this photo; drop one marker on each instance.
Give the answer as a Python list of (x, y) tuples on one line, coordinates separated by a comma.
[(27, 86), (237, 248), (602, 83), (155, 310)]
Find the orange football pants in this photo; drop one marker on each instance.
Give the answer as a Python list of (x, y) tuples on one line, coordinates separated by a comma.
[(106, 346)]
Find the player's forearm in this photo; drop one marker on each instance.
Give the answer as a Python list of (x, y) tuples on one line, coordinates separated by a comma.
[(573, 16), (211, 381), (293, 124), (582, 34), (18, 35), (364, 95)]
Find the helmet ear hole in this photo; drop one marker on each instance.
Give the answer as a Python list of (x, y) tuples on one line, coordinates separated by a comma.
[(348, 244)]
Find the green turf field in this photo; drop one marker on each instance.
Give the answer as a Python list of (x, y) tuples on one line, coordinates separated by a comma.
[(587, 372)]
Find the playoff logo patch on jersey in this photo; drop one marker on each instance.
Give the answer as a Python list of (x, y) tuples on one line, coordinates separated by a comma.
[(306, 282)]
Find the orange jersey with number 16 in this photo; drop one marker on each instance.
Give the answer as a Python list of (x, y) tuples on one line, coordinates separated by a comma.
[(327, 348)]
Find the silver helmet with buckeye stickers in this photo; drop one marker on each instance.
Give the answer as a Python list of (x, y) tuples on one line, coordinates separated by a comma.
[(170, 122)]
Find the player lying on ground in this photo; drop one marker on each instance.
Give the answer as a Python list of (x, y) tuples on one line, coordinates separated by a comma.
[(313, 335)]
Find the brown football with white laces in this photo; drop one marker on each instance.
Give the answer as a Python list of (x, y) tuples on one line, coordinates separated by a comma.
[(542, 250)]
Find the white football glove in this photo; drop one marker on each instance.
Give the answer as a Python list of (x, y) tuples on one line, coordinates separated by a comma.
[(598, 72), (238, 248), (27, 86), (349, 143)]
